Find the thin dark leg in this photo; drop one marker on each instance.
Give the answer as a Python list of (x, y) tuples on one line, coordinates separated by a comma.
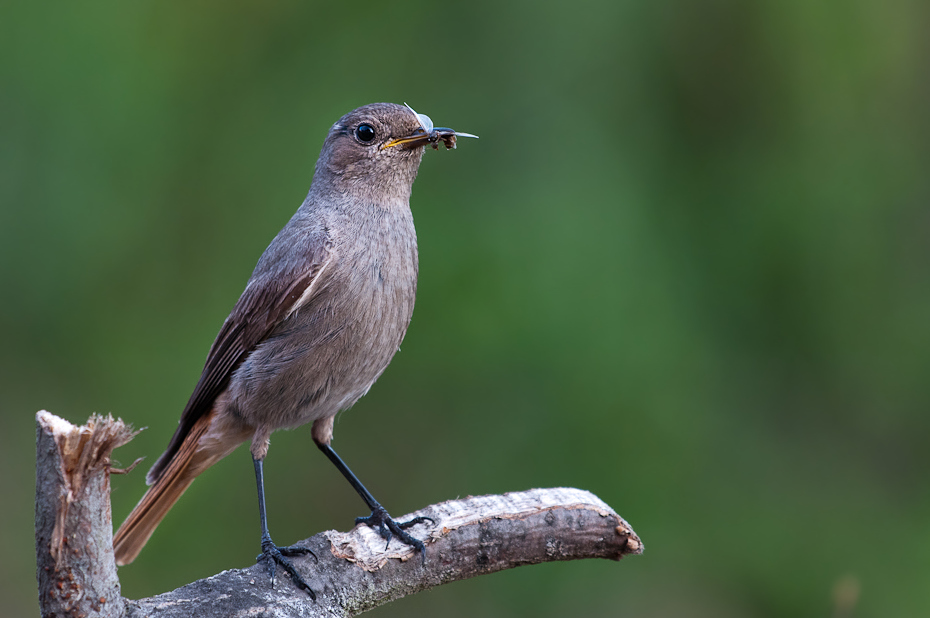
[(379, 518), (271, 553)]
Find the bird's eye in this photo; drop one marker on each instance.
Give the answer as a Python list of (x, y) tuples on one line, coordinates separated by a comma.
[(365, 133)]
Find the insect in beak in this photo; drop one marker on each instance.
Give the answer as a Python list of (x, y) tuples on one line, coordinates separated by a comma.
[(426, 133)]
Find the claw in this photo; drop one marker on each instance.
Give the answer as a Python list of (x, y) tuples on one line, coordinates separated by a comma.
[(416, 520), (297, 550), (274, 556), (388, 528)]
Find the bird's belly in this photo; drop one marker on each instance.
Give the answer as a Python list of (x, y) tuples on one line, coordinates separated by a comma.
[(320, 360)]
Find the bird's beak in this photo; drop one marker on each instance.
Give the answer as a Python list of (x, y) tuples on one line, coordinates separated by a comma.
[(431, 137)]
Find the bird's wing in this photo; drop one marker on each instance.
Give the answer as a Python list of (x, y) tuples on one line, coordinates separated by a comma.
[(265, 303)]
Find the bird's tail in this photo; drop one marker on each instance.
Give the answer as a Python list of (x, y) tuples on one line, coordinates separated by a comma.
[(204, 445)]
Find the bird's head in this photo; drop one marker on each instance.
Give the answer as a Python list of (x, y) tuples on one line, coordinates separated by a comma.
[(376, 150)]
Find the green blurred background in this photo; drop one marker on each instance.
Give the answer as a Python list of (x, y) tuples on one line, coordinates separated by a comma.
[(685, 267)]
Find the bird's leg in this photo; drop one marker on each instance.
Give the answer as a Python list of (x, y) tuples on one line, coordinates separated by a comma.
[(271, 553), (379, 519)]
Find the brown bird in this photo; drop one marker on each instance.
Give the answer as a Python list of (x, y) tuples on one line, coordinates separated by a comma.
[(324, 312)]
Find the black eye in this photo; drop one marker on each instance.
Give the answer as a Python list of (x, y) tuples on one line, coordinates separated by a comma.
[(365, 133)]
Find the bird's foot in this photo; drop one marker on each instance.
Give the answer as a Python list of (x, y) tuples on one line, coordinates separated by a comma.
[(273, 556), (388, 528)]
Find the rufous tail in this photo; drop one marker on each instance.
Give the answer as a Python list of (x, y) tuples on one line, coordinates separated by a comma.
[(203, 446)]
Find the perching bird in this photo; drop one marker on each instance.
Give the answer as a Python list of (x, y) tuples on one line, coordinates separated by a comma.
[(320, 319)]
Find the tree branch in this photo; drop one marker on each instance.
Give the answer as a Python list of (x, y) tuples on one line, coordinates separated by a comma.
[(74, 527), (355, 572)]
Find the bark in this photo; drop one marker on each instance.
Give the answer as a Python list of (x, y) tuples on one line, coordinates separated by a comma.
[(353, 571), (74, 528)]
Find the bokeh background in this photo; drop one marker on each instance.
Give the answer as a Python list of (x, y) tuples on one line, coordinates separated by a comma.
[(685, 267)]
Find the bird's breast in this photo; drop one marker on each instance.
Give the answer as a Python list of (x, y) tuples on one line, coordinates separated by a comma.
[(328, 353)]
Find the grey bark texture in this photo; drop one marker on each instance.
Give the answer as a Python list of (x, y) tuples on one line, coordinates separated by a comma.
[(354, 572), (74, 527)]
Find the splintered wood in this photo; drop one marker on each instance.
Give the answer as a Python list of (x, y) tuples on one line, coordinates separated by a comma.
[(74, 530)]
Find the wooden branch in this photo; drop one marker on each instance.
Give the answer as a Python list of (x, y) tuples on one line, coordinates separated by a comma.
[(355, 572), (74, 527)]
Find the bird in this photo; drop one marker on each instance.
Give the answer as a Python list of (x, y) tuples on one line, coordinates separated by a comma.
[(321, 316)]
